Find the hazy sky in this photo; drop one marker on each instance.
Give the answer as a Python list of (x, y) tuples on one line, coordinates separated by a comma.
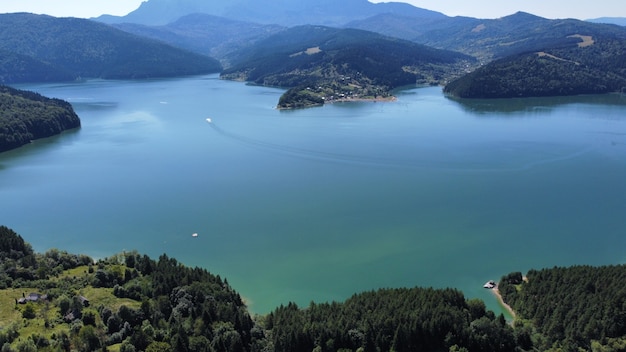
[(474, 8)]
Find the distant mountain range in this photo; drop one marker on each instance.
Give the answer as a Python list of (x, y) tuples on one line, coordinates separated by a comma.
[(35, 48), (620, 21), (540, 57), (206, 34), (156, 39), (281, 12)]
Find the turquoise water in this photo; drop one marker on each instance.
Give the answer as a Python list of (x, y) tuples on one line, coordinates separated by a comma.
[(317, 204)]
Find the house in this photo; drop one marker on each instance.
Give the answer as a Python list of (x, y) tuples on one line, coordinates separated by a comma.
[(32, 297)]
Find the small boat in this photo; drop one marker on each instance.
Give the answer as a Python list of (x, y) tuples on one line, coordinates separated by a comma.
[(208, 120), (194, 235), (490, 284)]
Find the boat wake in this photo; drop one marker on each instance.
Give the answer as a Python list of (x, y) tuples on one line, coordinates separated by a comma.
[(307, 153), (456, 166)]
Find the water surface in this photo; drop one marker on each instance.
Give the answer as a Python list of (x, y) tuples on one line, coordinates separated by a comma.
[(320, 203)]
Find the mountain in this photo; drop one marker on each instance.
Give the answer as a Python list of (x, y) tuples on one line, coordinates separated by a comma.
[(524, 55), (486, 39), (22, 68), (620, 21), (280, 12), (205, 34), (588, 62), (26, 116), (401, 25), (70, 48), (325, 64)]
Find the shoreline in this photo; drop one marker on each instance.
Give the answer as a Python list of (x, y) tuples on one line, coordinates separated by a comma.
[(390, 98), (508, 308)]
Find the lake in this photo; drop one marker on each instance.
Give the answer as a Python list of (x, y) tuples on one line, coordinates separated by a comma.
[(320, 203)]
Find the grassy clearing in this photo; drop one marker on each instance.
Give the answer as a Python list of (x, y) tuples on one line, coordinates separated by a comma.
[(10, 312), (48, 320)]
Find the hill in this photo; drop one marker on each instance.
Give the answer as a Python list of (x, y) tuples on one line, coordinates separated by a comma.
[(581, 64), (524, 55), (210, 35), (486, 39), (71, 48), (281, 12), (323, 64), (26, 116)]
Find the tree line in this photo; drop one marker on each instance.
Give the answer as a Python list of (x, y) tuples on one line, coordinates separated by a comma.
[(142, 304), (578, 307)]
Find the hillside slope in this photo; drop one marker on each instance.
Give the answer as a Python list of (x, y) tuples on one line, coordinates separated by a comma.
[(26, 116), (590, 65), (487, 39), (325, 64), (78, 48)]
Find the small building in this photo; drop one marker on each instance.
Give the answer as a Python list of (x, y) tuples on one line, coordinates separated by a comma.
[(32, 297)]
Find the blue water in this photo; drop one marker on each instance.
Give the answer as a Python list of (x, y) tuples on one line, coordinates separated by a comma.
[(320, 203)]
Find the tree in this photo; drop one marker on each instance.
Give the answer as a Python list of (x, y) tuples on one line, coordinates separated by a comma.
[(157, 346), (29, 311), (88, 338)]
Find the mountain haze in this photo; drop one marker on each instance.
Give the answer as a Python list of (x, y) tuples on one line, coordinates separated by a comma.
[(71, 48), (205, 34), (620, 21)]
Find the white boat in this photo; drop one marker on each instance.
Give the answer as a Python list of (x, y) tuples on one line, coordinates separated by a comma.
[(194, 235), (208, 120), (489, 284)]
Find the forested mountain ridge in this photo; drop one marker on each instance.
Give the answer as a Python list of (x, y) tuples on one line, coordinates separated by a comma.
[(322, 64), (487, 39), (26, 116), (71, 48), (581, 64)]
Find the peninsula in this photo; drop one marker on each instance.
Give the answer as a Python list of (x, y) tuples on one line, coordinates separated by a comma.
[(26, 116)]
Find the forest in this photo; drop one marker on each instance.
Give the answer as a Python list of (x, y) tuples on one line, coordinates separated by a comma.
[(26, 116), (128, 302), (578, 307), (57, 301), (332, 64), (38, 48), (571, 68)]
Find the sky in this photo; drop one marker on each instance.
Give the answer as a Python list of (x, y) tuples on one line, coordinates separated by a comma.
[(474, 8)]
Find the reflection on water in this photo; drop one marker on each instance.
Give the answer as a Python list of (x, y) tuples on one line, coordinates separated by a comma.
[(535, 105)]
